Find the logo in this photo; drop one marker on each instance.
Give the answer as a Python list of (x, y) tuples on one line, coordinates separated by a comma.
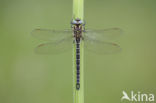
[(137, 97)]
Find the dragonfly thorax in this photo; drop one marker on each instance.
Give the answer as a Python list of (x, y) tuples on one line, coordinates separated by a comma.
[(77, 29)]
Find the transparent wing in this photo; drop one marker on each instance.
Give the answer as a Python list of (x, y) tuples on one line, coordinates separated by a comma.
[(51, 35), (101, 47), (55, 47), (103, 35)]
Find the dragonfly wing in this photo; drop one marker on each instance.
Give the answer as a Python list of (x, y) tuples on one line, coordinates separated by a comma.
[(51, 35), (101, 47), (103, 34), (54, 47)]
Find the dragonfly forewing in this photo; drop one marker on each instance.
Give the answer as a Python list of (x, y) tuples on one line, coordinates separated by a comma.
[(103, 34), (51, 35)]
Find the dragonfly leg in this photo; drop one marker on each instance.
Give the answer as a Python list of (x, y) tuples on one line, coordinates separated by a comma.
[(84, 29), (84, 23), (71, 26), (72, 23)]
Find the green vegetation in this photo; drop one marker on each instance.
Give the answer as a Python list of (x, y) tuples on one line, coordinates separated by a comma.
[(78, 12)]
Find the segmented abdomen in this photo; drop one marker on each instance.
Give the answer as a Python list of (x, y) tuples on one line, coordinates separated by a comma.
[(78, 65)]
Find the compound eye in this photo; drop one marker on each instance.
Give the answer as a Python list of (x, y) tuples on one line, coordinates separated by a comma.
[(74, 22), (80, 22)]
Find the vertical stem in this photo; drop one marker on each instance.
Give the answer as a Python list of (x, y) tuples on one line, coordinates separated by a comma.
[(78, 94), (78, 12), (78, 9)]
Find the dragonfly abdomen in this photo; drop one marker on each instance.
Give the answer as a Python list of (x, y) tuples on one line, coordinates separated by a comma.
[(78, 64)]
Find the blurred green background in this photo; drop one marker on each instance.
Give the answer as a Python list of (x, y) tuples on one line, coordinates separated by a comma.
[(26, 77)]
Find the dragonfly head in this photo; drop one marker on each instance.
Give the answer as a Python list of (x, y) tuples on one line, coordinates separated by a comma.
[(77, 22)]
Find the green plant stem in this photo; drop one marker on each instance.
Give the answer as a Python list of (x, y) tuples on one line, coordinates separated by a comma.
[(78, 12), (78, 94), (78, 9)]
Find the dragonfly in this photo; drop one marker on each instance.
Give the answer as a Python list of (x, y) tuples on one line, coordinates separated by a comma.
[(58, 41)]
